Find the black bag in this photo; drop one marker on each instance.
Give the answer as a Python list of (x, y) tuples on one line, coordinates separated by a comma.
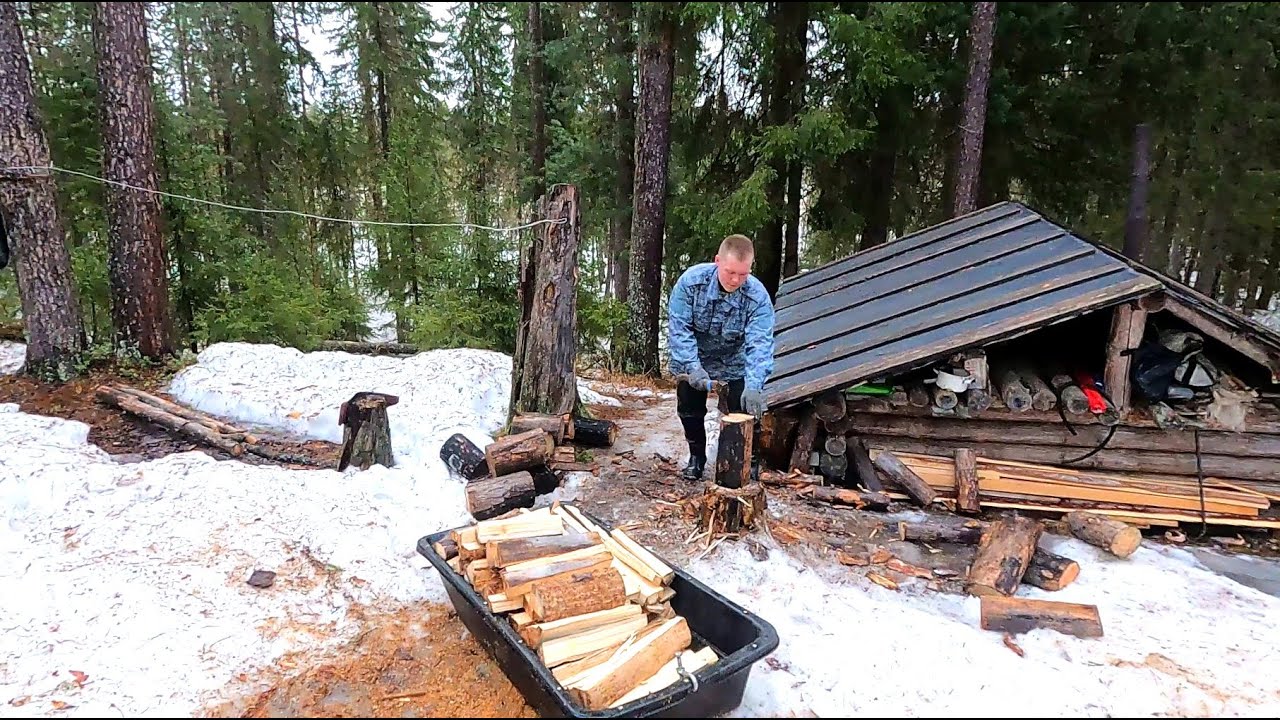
[(1154, 366)]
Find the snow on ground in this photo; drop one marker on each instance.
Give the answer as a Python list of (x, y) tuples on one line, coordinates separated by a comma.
[(1179, 640), (12, 357)]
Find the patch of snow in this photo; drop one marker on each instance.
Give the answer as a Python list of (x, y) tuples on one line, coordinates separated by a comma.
[(1179, 640), (135, 574), (13, 355)]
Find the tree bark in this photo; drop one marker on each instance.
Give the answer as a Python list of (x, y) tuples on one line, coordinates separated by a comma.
[(549, 381), (1004, 554), (1117, 538), (463, 457), (935, 531), (624, 134), (519, 452), (856, 498), (366, 431), (733, 458), (490, 497), (1051, 572), (136, 266), (538, 101), (653, 151), (865, 470), (28, 211), (973, 116), (967, 482), (579, 594), (805, 436), (902, 476), (1135, 224)]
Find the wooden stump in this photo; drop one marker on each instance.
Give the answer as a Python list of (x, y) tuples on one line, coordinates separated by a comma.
[(519, 452), (967, 482), (1019, 615), (731, 510), (1004, 554), (366, 430), (463, 457), (733, 459), (492, 496), (1113, 536)]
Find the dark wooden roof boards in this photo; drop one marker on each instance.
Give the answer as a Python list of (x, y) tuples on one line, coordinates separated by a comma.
[(980, 278)]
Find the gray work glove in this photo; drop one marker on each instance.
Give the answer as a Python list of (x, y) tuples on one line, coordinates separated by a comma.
[(699, 380), (753, 402)]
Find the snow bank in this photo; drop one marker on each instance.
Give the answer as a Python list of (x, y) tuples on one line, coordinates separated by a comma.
[(13, 356), (1179, 640), (135, 574), (441, 392)]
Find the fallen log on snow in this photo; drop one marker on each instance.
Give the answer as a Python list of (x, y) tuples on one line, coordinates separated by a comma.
[(1019, 615), (369, 348), (1004, 554)]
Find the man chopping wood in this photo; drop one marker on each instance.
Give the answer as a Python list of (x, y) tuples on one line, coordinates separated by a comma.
[(720, 328)]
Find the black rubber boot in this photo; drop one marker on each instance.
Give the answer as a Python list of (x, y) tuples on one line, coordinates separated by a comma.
[(693, 470)]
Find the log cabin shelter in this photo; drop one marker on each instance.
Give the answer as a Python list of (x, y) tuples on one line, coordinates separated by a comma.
[(1061, 344)]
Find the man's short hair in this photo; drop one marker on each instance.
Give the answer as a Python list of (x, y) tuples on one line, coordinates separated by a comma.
[(739, 246)]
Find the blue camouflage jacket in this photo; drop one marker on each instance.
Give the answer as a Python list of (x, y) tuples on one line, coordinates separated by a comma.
[(729, 334)]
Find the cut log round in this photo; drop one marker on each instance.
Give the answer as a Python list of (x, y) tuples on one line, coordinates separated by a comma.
[(1042, 396), (519, 452), (492, 496), (1115, 537), (1016, 396), (967, 482), (594, 433), (733, 458), (1070, 395), (902, 475), (731, 510), (525, 422), (1019, 615), (944, 399), (835, 445), (577, 594), (1004, 554), (463, 457), (1051, 572), (833, 467), (829, 406), (918, 396), (977, 400)]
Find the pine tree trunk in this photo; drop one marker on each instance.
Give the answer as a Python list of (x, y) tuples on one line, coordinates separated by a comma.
[(1135, 224), (653, 152), (973, 116), (883, 165), (798, 68), (624, 134), (787, 56), (136, 266), (28, 202), (538, 99)]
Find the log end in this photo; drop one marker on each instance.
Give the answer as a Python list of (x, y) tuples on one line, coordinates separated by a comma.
[(1126, 542), (1069, 575)]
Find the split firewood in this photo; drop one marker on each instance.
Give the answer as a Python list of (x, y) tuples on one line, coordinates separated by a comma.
[(553, 424), (904, 477), (633, 665), (564, 454), (1115, 537), (1051, 572), (1004, 554), (882, 581), (519, 452), (594, 433), (688, 661), (492, 496), (535, 634), (538, 523), (648, 573), (855, 498), (463, 457), (568, 648), (446, 548), (521, 619), (469, 546), (908, 569), (579, 594), (499, 603), (967, 482), (658, 568), (1019, 615), (520, 578), (508, 552)]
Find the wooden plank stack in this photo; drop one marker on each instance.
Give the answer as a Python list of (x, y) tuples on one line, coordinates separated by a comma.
[(1141, 500), (595, 606)]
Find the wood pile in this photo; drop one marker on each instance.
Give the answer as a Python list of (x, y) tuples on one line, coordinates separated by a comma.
[(526, 462), (1136, 499), (198, 426), (594, 606)]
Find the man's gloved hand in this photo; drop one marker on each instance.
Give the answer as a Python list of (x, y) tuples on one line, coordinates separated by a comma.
[(753, 402), (699, 379)]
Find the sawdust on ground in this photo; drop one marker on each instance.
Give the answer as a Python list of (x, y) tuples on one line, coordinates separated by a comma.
[(417, 662)]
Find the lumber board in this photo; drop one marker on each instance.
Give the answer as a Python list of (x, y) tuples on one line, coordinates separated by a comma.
[(1019, 615)]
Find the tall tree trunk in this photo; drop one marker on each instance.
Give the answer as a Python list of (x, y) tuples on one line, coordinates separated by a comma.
[(882, 169), (41, 261), (783, 71), (653, 152), (624, 135), (538, 99), (1135, 224), (797, 66), (973, 116), (137, 267)]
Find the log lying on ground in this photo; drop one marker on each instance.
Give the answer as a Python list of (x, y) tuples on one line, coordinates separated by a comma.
[(519, 452), (492, 496), (1051, 572), (13, 331), (792, 479), (1115, 537), (855, 498), (553, 424), (578, 594), (187, 413), (1004, 554), (967, 482), (1019, 615), (933, 531), (900, 474), (464, 457), (366, 431), (594, 433), (369, 348)]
